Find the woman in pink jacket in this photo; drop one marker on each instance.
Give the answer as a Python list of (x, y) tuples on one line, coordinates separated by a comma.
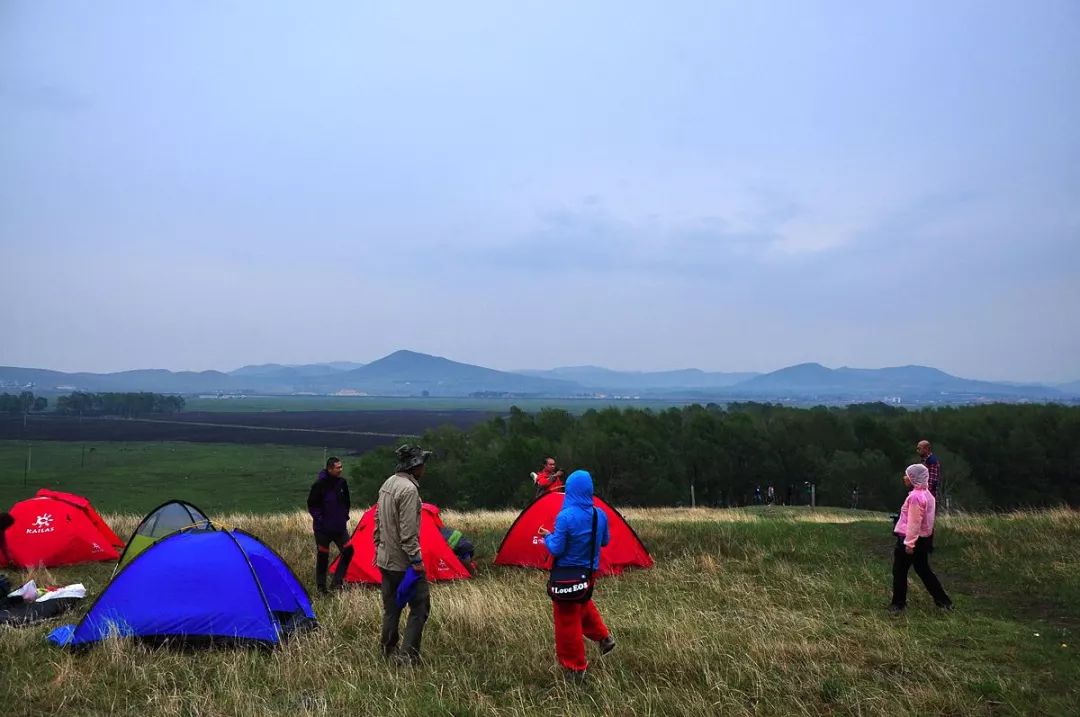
[(915, 541)]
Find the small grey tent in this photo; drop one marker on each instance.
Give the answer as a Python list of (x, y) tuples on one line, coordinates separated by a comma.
[(164, 520)]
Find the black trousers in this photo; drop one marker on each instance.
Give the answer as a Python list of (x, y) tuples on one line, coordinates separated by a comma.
[(322, 557), (920, 560), (419, 609)]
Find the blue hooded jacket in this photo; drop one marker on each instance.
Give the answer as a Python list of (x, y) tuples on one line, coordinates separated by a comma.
[(569, 542)]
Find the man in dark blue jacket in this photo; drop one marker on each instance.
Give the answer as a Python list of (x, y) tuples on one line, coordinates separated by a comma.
[(328, 503)]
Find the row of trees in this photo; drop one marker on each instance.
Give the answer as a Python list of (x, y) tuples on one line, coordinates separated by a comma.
[(996, 456), (22, 403), (118, 404)]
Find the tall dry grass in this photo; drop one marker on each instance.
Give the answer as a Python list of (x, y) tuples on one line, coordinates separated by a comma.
[(768, 611)]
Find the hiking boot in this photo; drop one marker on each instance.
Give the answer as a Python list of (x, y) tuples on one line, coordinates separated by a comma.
[(575, 677), (896, 609), (405, 659), (607, 644)]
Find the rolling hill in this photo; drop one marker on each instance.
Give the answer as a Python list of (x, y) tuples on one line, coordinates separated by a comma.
[(815, 379)]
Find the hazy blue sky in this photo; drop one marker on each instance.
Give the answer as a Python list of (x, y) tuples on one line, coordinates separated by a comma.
[(725, 185)]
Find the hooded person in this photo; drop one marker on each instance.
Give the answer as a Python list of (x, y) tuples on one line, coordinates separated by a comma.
[(914, 532), (328, 503), (397, 552), (573, 544)]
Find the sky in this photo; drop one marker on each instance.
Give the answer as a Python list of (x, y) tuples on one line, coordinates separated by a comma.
[(729, 186)]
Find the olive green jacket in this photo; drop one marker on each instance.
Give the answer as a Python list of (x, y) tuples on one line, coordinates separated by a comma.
[(397, 523)]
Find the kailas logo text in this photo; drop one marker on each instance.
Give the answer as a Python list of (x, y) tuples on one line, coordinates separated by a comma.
[(42, 524)]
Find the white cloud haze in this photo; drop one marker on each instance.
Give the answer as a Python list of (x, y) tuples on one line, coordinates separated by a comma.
[(719, 185)]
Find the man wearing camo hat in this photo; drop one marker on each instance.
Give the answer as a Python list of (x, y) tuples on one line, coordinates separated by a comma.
[(397, 548)]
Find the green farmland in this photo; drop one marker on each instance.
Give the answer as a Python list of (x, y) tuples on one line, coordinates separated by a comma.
[(135, 477)]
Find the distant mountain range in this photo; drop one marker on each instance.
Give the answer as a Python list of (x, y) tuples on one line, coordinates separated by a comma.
[(813, 378), (1072, 387), (408, 373), (296, 370)]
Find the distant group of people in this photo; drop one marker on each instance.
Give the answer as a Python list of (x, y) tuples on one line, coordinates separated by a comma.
[(579, 533), (769, 498), (772, 496)]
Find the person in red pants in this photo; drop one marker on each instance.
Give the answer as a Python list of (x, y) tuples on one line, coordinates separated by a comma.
[(569, 545)]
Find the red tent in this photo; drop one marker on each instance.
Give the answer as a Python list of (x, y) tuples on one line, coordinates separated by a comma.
[(55, 528), (439, 559), (523, 546)]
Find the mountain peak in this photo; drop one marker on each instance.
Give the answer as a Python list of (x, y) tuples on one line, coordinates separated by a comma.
[(404, 358)]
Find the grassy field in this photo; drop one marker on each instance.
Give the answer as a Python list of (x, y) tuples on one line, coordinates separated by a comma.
[(134, 477), (392, 403), (766, 612)]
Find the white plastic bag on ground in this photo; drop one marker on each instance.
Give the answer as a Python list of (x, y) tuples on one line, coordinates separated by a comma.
[(28, 592), (75, 590)]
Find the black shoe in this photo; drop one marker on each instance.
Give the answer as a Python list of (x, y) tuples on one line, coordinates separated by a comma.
[(945, 607), (896, 609), (321, 589), (575, 677), (404, 659), (607, 644)]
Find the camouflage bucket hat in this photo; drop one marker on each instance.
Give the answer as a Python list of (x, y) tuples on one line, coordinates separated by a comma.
[(411, 456)]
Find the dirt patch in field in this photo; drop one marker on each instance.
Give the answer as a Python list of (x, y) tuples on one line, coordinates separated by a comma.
[(360, 430)]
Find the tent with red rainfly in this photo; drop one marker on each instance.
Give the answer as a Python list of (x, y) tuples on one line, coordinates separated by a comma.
[(55, 528), (523, 546), (440, 562)]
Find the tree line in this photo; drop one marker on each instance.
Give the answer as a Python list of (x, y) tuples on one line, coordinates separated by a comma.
[(118, 404), (997, 456), (24, 402)]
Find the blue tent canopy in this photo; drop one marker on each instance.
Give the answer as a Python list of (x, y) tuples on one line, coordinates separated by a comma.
[(194, 586)]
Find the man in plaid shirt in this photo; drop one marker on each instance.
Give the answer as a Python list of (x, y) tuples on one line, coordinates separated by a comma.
[(931, 462)]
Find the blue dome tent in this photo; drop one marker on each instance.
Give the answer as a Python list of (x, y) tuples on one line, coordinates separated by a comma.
[(198, 586)]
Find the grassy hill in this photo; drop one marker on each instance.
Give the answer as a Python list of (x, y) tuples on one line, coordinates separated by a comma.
[(768, 612)]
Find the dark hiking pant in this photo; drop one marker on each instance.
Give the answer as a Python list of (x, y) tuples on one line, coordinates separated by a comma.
[(322, 557), (419, 608), (920, 560)]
